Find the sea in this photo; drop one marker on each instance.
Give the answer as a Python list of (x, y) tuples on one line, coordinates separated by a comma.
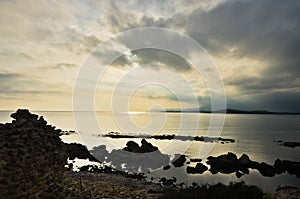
[(256, 135)]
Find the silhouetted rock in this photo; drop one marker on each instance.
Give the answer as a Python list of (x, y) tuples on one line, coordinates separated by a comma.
[(224, 163), (238, 174), (195, 159), (167, 167), (179, 160), (291, 144), (32, 159), (79, 151), (292, 167), (147, 147), (266, 170), (131, 146), (244, 160), (199, 168), (279, 167), (133, 157)]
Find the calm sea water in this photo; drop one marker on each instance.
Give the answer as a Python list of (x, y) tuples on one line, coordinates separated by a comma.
[(254, 135)]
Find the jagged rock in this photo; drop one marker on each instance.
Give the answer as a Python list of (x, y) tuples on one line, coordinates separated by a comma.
[(32, 158), (147, 147)]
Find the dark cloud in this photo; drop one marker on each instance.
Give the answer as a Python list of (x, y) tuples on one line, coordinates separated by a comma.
[(160, 57), (15, 84), (267, 31)]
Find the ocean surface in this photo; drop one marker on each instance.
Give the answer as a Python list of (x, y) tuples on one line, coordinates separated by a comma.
[(254, 135)]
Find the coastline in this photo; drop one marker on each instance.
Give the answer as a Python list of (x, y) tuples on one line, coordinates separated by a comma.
[(43, 152)]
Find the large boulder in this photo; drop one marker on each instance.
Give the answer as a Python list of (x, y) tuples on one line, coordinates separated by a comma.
[(226, 164)]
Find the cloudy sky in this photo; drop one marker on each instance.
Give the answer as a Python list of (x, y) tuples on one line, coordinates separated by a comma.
[(254, 45)]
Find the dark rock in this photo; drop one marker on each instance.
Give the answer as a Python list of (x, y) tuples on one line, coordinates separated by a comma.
[(224, 163), (244, 159), (195, 159), (167, 167), (32, 158), (135, 158), (79, 151), (200, 168), (279, 167), (147, 147), (179, 160), (292, 167), (238, 174), (291, 144), (266, 170), (131, 146)]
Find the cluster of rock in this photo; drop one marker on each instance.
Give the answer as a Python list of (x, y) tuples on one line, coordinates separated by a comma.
[(133, 157), (32, 159), (229, 163)]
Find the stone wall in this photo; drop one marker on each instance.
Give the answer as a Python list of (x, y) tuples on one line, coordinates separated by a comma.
[(32, 158)]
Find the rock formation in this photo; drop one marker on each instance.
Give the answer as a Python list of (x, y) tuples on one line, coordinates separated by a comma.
[(32, 159)]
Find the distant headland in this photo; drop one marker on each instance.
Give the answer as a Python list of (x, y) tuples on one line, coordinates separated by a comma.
[(231, 111)]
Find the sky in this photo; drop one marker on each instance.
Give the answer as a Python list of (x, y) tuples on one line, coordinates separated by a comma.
[(253, 44)]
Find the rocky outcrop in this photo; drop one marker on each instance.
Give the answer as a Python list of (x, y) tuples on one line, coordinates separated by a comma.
[(228, 163), (32, 159), (291, 144), (146, 147), (76, 150), (179, 160), (199, 168)]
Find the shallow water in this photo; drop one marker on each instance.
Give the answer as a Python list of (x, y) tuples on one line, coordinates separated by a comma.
[(254, 136)]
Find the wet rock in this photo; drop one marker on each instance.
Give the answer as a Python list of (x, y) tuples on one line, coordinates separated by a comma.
[(195, 159), (179, 160), (224, 163), (199, 168), (238, 174), (147, 147), (167, 167), (79, 151), (292, 167), (244, 159), (131, 146), (279, 167), (291, 144), (266, 170)]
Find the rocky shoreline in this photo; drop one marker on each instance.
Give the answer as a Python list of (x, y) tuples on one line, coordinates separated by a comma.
[(33, 159)]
